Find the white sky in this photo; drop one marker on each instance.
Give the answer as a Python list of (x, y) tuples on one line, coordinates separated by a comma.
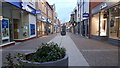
[(64, 8)]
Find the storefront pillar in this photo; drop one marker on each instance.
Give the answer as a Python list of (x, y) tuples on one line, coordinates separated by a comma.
[(99, 25), (108, 24), (0, 22)]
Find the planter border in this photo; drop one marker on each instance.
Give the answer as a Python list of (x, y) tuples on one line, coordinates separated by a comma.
[(44, 63)]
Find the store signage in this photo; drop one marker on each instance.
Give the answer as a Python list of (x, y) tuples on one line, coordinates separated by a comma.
[(25, 6), (85, 15), (37, 11), (14, 2), (43, 18), (49, 21), (103, 6)]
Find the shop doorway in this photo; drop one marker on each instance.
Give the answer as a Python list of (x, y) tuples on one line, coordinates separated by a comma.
[(83, 28), (16, 30), (86, 23)]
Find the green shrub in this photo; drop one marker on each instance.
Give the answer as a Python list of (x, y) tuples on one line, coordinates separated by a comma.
[(10, 63), (47, 52)]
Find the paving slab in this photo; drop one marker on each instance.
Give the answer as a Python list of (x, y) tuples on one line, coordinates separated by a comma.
[(97, 53), (75, 56)]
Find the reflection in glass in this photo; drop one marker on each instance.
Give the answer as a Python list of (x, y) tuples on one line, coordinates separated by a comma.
[(103, 23), (95, 24), (114, 22)]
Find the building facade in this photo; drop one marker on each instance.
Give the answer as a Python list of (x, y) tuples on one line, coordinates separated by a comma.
[(45, 19), (105, 22), (98, 19), (41, 17), (83, 16), (72, 22), (18, 21)]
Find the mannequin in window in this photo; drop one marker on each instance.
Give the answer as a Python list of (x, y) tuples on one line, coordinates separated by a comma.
[(112, 23)]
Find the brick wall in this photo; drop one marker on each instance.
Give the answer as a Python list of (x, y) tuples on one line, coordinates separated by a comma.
[(93, 4)]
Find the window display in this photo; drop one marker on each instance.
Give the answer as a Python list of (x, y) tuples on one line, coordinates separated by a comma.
[(5, 29), (32, 29), (25, 31), (114, 22), (95, 24), (103, 23)]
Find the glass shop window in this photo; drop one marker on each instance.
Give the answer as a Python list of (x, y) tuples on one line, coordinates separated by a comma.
[(115, 22), (95, 24), (103, 23)]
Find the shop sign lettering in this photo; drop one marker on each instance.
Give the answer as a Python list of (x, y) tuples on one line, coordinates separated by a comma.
[(25, 6), (103, 6)]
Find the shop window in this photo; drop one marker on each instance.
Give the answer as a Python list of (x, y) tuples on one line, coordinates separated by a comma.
[(115, 22), (32, 29), (5, 30), (95, 24), (103, 23)]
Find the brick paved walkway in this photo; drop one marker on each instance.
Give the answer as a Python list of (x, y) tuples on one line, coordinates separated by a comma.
[(96, 53)]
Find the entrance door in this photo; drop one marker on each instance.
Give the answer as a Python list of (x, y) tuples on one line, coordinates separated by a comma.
[(15, 29), (83, 28), (86, 27)]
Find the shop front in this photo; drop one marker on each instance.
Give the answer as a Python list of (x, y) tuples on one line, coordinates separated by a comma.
[(41, 20), (105, 24), (16, 24), (85, 25), (40, 27), (114, 34), (49, 25), (85, 19), (7, 25), (100, 25), (25, 26)]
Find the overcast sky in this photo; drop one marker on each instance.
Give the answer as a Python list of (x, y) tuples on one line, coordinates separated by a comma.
[(64, 8)]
